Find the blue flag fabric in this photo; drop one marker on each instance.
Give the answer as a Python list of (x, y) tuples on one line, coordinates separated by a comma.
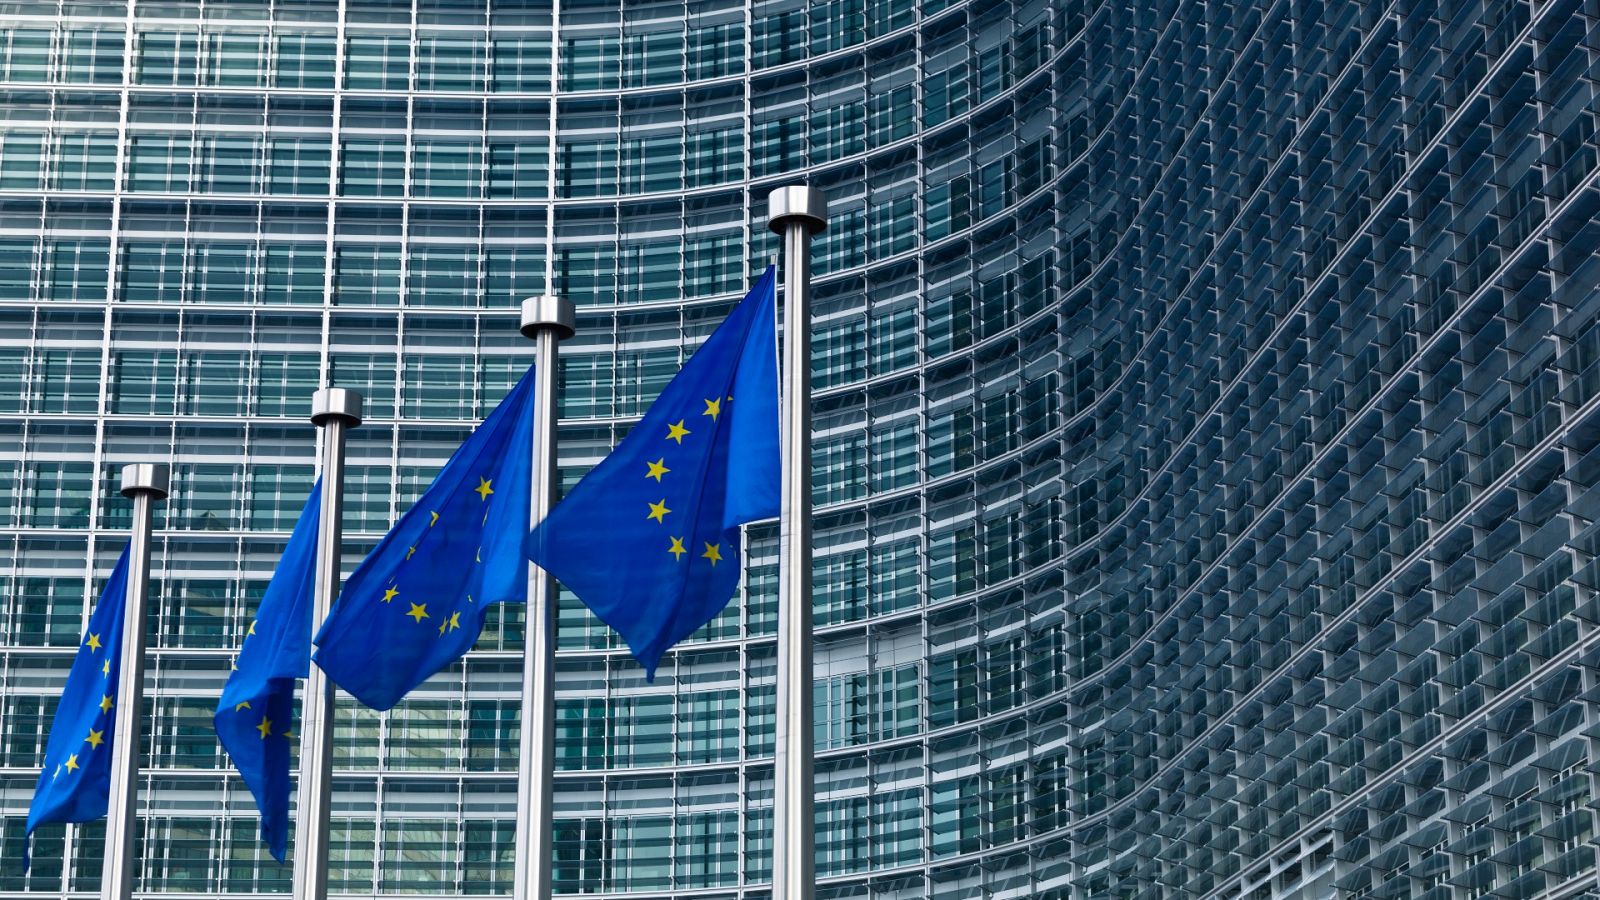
[(255, 714), (75, 783), (417, 602), (649, 539)]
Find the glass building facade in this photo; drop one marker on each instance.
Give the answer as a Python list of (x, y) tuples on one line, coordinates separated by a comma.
[(1207, 424)]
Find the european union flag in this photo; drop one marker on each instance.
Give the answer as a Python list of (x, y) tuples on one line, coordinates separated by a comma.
[(75, 783), (255, 715), (417, 602), (649, 539)]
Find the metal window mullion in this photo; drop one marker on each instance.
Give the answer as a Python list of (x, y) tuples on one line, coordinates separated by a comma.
[(405, 193), (375, 873), (748, 156), (97, 458), (46, 169), (480, 254), (553, 149), (408, 191), (325, 353), (456, 851), (924, 706), (394, 468), (744, 771), (55, 63)]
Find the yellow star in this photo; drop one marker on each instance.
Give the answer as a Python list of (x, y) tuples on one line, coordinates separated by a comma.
[(455, 621), (483, 489), (442, 626), (58, 772), (243, 704), (676, 549), (419, 611), (658, 511), (677, 431), (265, 727), (390, 593), (105, 668), (657, 468), (410, 551), (252, 629), (713, 553), (72, 763), (289, 735), (478, 557), (95, 738), (105, 703), (94, 642), (435, 519), (713, 407)]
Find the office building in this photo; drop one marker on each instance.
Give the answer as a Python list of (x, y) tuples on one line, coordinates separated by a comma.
[(1206, 424)]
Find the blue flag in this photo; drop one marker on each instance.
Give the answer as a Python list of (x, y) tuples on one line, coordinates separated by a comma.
[(75, 783), (649, 539), (255, 714), (417, 602)]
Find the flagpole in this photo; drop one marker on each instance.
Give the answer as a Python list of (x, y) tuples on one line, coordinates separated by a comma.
[(547, 321), (797, 212), (143, 483), (335, 411)]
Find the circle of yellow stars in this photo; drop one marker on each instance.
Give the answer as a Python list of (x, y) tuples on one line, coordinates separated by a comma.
[(96, 738), (419, 611), (658, 511), (263, 726)]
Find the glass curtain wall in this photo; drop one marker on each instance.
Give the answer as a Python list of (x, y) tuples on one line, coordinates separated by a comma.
[(1205, 425)]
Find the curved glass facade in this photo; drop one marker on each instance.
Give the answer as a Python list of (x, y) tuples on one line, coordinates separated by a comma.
[(1207, 422)]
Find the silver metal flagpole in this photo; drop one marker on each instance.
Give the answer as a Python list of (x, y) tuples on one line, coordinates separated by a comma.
[(797, 212), (547, 321), (143, 483), (335, 411)]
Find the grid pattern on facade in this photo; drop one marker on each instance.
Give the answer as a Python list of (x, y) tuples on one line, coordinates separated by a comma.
[(1205, 432)]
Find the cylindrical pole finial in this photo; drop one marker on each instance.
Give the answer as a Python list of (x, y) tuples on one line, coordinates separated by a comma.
[(547, 312), (797, 202), (145, 478), (336, 403)]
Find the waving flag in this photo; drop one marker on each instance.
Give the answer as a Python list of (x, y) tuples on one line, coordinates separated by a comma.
[(75, 783), (255, 715), (649, 539), (417, 602)]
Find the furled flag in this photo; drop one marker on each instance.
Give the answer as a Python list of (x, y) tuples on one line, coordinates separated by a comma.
[(255, 714), (75, 783), (417, 602), (649, 539)]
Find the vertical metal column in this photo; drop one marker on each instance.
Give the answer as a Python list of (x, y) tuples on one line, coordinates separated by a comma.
[(547, 321), (797, 212), (335, 411), (143, 483)]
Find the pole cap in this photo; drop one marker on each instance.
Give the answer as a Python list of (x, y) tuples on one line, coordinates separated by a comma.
[(144, 478), (798, 202), (547, 312), (331, 403)]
